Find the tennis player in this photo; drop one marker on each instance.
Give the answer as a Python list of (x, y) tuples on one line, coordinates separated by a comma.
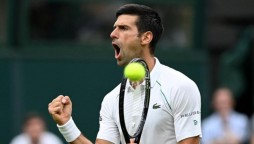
[(174, 114)]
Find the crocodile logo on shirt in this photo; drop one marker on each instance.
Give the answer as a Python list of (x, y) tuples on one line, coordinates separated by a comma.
[(156, 106)]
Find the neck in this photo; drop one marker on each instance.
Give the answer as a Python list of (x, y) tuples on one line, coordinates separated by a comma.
[(225, 114), (35, 141), (148, 58), (150, 62)]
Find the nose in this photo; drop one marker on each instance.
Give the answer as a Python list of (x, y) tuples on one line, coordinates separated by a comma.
[(113, 34)]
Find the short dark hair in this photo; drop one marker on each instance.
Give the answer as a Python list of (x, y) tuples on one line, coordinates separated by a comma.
[(149, 20)]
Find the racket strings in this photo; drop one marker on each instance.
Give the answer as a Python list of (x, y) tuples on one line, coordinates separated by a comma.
[(133, 108)]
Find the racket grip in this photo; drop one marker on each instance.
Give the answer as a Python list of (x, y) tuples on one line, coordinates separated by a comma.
[(69, 130)]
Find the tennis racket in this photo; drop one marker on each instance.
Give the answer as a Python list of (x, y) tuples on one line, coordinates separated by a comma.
[(135, 110)]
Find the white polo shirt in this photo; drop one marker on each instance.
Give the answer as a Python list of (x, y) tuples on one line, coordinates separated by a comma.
[(174, 111)]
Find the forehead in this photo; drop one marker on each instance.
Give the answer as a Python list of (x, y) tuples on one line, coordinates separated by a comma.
[(34, 120), (223, 95), (126, 20)]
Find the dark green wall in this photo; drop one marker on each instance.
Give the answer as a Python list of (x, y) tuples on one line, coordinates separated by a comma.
[(31, 84), (5, 100)]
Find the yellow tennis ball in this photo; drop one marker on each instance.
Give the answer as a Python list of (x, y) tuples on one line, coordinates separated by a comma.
[(134, 71)]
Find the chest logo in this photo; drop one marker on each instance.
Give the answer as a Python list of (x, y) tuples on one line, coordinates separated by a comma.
[(195, 122), (156, 106)]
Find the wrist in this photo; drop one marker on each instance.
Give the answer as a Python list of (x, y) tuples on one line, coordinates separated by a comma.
[(69, 130), (63, 121)]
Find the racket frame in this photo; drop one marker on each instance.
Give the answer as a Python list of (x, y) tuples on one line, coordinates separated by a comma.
[(138, 133)]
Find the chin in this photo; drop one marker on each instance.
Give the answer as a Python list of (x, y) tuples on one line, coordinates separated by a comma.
[(121, 63)]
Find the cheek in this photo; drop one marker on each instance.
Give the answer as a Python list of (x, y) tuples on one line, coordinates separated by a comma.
[(128, 37), (131, 50), (131, 45)]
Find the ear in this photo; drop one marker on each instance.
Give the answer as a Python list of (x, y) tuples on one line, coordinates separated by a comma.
[(146, 38)]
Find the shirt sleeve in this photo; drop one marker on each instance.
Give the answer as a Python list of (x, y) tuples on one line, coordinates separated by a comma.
[(186, 110), (108, 129)]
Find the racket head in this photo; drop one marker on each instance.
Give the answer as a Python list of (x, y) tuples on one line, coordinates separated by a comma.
[(136, 135)]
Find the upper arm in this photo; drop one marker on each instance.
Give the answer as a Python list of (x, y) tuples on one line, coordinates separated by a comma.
[(108, 130), (191, 140), (186, 108)]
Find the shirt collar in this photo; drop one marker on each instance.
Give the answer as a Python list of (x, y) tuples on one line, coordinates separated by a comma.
[(154, 74)]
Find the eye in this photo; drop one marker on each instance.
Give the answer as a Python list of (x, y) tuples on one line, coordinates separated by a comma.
[(123, 27)]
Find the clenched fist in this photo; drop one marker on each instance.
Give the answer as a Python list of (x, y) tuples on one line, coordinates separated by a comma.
[(60, 109)]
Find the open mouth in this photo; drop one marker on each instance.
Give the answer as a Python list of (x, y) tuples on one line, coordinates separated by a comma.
[(117, 50)]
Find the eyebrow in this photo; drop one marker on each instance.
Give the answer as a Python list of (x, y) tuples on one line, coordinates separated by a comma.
[(120, 25)]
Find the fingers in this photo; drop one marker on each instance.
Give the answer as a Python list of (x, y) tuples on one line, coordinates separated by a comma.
[(60, 109), (66, 100), (59, 98), (57, 104), (56, 107), (62, 99), (56, 99)]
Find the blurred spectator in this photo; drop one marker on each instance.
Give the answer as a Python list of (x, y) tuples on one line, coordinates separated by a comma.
[(224, 126), (34, 132)]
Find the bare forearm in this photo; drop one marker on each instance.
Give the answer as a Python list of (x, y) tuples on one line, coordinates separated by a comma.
[(192, 140), (81, 140)]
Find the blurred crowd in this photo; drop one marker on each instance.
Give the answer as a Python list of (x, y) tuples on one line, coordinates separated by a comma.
[(225, 125)]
